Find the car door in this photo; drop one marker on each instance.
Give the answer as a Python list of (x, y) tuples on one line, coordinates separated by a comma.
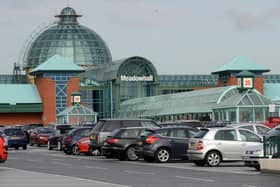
[(179, 142), (226, 142), (248, 139)]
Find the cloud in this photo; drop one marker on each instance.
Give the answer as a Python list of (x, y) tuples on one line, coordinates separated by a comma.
[(246, 21)]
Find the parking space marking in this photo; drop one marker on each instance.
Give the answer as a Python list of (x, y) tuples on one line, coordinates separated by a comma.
[(96, 167), (196, 179), (32, 160), (248, 185), (139, 172)]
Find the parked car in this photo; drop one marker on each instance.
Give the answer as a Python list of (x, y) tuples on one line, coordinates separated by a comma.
[(82, 146), (121, 143), (3, 151), (165, 143), (254, 153), (212, 146), (104, 127), (72, 137), (40, 136), (256, 128), (55, 139), (16, 137)]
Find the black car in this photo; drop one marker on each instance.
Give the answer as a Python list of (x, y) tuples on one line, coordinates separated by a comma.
[(70, 139), (121, 143), (55, 139), (165, 143)]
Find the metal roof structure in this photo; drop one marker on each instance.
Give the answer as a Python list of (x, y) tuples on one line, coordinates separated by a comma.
[(20, 98), (241, 63), (57, 63), (200, 101)]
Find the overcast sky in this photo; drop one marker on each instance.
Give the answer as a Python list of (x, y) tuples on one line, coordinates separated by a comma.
[(177, 36)]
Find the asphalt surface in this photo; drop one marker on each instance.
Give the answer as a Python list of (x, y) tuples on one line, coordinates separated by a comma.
[(39, 166)]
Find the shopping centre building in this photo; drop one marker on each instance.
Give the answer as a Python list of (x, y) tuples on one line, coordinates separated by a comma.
[(67, 57)]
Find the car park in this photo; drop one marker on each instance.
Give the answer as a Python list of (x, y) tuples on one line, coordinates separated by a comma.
[(121, 143), (165, 143), (55, 139), (40, 136), (72, 137), (104, 127), (16, 137), (212, 146), (3, 151)]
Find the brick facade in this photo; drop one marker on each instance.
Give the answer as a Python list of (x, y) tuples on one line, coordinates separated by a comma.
[(73, 85), (47, 91), (20, 118)]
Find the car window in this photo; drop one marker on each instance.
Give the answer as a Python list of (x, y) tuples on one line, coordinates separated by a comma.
[(148, 124), (45, 130), (12, 132), (249, 127), (130, 133), (109, 126), (163, 132), (227, 135), (201, 133), (130, 123), (178, 133), (192, 132), (98, 126), (85, 132), (262, 130), (249, 136)]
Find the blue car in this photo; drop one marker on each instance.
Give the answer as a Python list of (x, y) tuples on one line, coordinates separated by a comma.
[(16, 138)]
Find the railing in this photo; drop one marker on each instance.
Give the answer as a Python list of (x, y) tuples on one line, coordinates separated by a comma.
[(271, 147)]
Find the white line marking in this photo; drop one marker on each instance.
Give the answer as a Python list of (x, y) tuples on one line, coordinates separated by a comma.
[(248, 185), (96, 167), (29, 160), (139, 172), (196, 179)]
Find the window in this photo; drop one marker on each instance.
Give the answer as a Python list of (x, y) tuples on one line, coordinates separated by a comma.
[(248, 136), (163, 132), (148, 124), (131, 123), (130, 133), (85, 132), (109, 126), (249, 127), (262, 130), (227, 135), (178, 133)]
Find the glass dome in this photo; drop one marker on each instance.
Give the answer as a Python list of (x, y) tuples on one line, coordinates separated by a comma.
[(69, 39)]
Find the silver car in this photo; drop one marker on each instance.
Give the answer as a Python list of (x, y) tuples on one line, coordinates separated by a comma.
[(255, 127), (212, 146)]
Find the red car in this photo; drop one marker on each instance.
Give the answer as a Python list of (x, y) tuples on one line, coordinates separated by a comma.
[(40, 136), (82, 146), (3, 151)]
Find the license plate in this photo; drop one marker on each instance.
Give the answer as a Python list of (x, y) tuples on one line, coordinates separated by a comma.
[(140, 143), (15, 138), (192, 145)]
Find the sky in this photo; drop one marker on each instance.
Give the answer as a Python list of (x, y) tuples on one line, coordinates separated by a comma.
[(177, 36)]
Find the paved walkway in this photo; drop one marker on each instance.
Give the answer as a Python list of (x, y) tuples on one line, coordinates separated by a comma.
[(10, 177)]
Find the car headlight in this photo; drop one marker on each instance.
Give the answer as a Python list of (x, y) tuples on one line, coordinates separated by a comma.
[(258, 152)]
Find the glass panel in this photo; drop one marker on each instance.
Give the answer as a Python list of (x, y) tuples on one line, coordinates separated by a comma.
[(227, 135), (246, 114), (249, 136), (178, 133)]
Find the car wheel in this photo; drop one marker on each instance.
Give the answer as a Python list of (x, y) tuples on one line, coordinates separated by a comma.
[(213, 158), (16, 147), (59, 147), (148, 158), (75, 150), (163, 155), (49, 146), (199, 162), (258, 167), (24, 147), (130, 154)]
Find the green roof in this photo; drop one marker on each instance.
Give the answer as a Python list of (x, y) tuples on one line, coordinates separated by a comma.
[(19, 98), (58, 63), (241, 63)]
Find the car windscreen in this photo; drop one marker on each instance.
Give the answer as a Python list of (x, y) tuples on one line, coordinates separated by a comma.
[(45, 131), (98, 126), (201, 133), (12, 132)]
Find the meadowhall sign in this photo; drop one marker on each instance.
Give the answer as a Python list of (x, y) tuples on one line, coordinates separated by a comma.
[(137, 78)]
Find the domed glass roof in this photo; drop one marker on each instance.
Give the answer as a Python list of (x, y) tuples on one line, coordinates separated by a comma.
[(69, 39)]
